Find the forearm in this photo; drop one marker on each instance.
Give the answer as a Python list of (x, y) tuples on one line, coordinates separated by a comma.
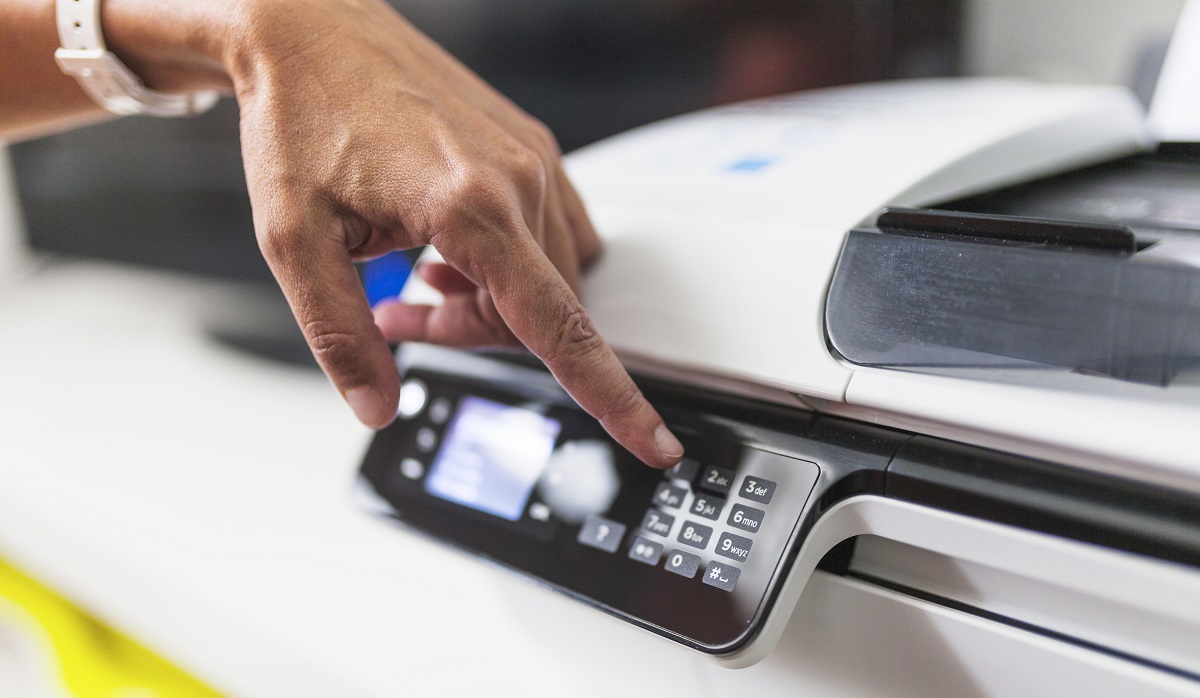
[(173, 45), (35, 97)]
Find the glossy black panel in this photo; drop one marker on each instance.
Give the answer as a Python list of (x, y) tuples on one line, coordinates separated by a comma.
[(648, 509)]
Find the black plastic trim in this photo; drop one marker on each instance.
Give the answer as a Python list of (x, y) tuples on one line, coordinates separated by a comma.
[(968, 609), (1004, 229), (1048, 498)]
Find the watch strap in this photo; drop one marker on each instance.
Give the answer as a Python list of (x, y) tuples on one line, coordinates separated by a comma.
[(84, 56)]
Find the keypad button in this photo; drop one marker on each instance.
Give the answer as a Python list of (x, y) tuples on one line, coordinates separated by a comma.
[(412, 468), (413, 395), (645, 550), (707, 506), (440, 409), (682, 563), (746, 518), (694, 534), (717, 479), (758, 489), (669, 495), (734, 547), (601, 533), (427, 439), (721, 575), (656, 521), (685, 470)]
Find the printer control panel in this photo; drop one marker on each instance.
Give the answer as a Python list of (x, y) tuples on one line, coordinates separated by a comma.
[(505, 466)]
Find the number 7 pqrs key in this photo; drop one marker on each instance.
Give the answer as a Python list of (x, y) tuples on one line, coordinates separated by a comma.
[(657, 522)]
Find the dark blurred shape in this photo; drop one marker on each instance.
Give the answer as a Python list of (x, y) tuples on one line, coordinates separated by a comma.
[(170, 193)]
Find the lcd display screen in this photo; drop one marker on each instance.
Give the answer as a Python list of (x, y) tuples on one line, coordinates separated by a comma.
[(492, 456)]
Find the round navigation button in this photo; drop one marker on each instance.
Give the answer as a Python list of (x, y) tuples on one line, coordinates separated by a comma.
[(426, 439), (413, 395), (412, 468), (440, 409)]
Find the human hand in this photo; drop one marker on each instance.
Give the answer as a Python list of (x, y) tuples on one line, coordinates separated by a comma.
[(361, 136)]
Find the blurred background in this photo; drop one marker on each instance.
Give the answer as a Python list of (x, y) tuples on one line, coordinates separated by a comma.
[(170, 193)]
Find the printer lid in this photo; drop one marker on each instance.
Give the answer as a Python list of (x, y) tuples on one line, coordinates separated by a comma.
[(723, 229)]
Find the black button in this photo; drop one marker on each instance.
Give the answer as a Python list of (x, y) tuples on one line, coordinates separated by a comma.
[(645, 550), (601, 533), (669, 495), (758, 489), (745, 518), (657, 522), (694, 534), (685, 470), (721, 575), (734, 547), (707, 506), (717, 479), (682, 563)]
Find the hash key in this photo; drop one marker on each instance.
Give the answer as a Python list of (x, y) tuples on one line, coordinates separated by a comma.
[(721, 575)]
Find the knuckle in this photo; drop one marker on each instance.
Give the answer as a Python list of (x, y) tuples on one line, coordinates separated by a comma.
[(459, 194), (545, 139), (280, 242), (576, 340), (333, 346), (529, 170), (624, 405)]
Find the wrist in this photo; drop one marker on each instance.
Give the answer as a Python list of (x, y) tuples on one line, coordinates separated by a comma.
[(174, 46)]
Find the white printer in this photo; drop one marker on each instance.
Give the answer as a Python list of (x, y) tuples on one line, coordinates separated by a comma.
[(961, 433)]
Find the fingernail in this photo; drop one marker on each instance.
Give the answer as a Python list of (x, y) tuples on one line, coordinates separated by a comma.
[(668, 445), (368, 406)]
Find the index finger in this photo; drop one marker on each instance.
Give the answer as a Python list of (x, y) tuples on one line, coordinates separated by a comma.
[(314, 269), (543, 312)]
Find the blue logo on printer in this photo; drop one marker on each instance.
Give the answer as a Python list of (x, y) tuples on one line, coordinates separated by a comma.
[(750, 164)]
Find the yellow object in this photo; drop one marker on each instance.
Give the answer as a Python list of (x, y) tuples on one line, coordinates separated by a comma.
[(91, 659)]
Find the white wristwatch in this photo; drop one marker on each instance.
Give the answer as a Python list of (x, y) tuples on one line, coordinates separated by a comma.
[(103, 76)]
